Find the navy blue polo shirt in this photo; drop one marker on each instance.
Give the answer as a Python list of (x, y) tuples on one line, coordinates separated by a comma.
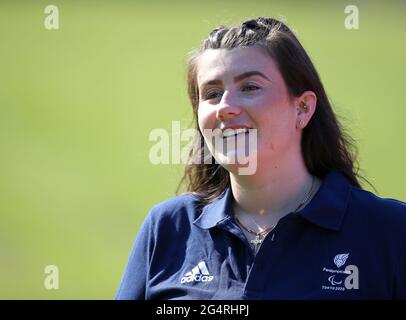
[(347, 243)]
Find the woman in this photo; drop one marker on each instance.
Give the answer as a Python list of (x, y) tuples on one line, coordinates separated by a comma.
[(299, 226)]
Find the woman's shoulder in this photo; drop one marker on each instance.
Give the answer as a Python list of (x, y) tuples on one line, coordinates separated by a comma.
[(381, 209), (185, 206), (367, 198)]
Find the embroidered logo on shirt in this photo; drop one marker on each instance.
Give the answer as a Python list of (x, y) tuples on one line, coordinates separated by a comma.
[(198, 274), (349, 276), (340, 259), (333, 282)]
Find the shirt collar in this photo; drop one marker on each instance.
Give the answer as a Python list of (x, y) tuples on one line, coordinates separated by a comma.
[(216, 211), (327, 208)]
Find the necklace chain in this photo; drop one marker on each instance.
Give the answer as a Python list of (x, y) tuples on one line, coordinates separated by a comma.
[(309, 194), (259, 236), (252, 231)]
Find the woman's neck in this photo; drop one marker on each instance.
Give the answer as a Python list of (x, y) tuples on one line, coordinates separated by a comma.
[(276, 192)]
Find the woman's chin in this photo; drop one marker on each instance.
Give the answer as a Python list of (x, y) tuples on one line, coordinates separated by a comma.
[(236, 164)]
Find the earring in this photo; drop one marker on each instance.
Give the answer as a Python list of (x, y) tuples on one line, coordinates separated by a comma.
[(300, 124)]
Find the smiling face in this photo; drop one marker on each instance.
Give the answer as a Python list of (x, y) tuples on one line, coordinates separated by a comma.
[(243, 88)]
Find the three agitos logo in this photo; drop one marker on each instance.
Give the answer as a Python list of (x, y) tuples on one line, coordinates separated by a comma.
[(198, 274), (349, 276)]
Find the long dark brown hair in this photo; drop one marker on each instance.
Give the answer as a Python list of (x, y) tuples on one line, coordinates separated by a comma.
[(325, 145)]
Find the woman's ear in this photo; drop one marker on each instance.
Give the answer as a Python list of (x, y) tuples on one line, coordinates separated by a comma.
[(305, 106)]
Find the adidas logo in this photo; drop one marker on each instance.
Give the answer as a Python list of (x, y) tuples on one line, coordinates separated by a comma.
[(198, 274)]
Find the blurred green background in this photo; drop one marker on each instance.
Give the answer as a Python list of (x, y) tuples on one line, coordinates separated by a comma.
[(77, 106)]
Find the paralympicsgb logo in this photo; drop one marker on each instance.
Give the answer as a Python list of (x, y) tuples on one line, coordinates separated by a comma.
[(339, 279), (340, 259)]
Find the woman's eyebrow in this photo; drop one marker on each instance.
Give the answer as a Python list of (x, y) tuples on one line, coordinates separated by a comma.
[(237, 78), (250, 74)]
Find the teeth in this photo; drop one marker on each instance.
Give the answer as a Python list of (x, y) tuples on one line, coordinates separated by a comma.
[(232, 132)]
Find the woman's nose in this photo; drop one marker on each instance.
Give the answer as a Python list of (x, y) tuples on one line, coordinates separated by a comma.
[(228, 107)]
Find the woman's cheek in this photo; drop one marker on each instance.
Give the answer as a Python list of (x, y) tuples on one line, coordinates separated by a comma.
[(201, 118), (207, 119)]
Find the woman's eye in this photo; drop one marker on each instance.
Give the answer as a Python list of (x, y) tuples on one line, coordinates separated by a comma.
[(250, 87), (212, 94)]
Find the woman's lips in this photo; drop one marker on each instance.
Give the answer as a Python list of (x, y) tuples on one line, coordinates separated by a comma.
[(234, 132)]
